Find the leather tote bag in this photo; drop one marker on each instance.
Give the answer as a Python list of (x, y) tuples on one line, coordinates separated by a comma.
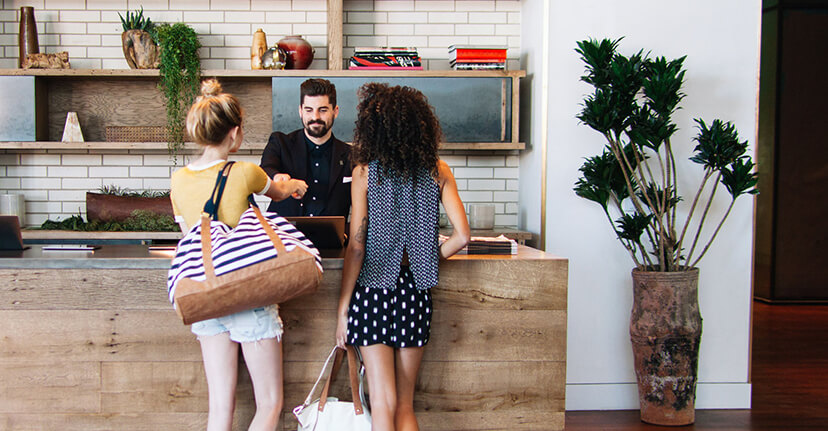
[(330, 414), (219, 271)]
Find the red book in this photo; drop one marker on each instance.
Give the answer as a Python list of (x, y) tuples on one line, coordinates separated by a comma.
[(477, 54), (479, 60)]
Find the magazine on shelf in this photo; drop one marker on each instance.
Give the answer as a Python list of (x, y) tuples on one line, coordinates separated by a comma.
[(385, 61), (487, 245)]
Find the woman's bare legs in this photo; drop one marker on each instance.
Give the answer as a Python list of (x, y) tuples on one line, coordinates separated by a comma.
[(221, 361), (264, 362), (408, 361), (379, 370)]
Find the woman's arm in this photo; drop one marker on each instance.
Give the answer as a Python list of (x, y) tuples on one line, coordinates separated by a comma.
[(355, 252), (282, 189), (455, 211)]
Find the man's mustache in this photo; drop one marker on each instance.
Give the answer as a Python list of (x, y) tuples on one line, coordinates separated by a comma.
[(316, 122)]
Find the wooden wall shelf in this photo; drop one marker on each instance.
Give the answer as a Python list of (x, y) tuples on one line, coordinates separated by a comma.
[(130, 97), (191, 147), (227, 73)]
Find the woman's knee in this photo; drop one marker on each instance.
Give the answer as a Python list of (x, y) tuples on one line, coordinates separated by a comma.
[(272, 401)]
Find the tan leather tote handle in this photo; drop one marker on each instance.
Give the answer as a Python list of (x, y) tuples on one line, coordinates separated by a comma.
[(353, 374)]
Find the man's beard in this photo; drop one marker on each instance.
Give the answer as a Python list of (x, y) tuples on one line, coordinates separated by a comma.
[(319, 132)]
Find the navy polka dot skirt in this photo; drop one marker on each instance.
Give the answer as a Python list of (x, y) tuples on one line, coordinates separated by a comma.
[(397, 318)]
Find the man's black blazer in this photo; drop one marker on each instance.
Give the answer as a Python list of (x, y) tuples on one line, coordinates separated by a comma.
[(288, 154)]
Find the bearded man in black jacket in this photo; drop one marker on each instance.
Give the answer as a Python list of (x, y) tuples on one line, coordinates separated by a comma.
[(313, 155)]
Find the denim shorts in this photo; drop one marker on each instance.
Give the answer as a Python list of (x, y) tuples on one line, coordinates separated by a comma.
[(245, 326)]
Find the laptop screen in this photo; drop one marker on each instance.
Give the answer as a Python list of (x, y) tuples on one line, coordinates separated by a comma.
[(10, 238)]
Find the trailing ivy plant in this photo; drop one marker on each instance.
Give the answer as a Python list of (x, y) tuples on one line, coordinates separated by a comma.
[(180, 70), (635, 178)]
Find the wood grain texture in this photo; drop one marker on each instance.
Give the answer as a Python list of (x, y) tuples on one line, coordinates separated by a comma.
[(254, 143), (335, 38), (137, 335), (102, 102), (239, 73), (103, 349)]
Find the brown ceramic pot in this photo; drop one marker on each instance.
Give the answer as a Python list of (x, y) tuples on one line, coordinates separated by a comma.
[(665, 329), (299, 52)]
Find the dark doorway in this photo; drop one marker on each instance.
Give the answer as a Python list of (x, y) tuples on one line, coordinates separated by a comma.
[(792, 207)]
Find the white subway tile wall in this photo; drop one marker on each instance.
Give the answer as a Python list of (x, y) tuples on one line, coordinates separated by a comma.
[(55, 182)]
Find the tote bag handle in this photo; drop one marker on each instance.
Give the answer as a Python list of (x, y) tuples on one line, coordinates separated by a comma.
[(211, 213), (337, 354)]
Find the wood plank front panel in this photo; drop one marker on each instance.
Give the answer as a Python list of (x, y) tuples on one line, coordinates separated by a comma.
[(103, 349)]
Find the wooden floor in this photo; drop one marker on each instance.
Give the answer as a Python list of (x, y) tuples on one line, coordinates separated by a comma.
[(789, 376)]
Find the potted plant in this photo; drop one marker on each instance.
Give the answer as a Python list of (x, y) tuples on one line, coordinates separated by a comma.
[(180, 71), (635, 181), (113, 203), (140, 48)]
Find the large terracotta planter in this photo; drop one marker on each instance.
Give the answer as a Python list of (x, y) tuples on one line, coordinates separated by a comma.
[(105, 207), (665, 329)]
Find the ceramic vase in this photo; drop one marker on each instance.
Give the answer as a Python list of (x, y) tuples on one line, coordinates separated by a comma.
[(257, 49), (665, 330), (27, 38), (299, 52)]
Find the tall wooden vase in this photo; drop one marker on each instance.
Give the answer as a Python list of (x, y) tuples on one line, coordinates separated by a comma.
[(27, 37), (665, 329)]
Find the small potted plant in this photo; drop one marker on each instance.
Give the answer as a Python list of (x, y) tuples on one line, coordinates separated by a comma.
[(635, 182), (180, 71), (140, 47)]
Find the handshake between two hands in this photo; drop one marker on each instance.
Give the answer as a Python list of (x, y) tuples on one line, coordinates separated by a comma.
[(300, 189)]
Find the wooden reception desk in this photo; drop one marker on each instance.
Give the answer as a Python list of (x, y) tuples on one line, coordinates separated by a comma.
[(88, 341)]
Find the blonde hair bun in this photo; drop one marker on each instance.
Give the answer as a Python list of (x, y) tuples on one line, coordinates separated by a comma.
[(210, 87)]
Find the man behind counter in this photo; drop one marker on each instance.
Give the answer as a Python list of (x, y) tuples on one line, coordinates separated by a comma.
[(312, 154)]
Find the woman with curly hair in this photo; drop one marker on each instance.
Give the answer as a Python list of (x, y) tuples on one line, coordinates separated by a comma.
[(391, 260)]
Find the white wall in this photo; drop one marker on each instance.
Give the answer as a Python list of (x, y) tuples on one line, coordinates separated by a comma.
[(721, 40)]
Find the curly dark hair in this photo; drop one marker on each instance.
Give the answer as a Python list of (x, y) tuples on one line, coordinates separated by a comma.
[(397, 127)]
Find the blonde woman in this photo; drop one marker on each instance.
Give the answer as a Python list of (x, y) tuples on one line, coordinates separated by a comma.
[(215, 122)]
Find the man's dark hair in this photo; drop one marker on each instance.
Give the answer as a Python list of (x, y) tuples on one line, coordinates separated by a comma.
[(317, 87)]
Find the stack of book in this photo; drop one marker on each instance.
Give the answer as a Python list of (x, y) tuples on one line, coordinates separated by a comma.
[(469, 57), (487, 245), (385, 58)]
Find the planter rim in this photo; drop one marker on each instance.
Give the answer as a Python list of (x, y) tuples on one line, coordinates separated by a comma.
[(642, 271)]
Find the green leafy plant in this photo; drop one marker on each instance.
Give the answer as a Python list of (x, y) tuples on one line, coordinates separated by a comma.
[(137, 21), (138, 221), (635, 178), (180, 71), (118, 191)]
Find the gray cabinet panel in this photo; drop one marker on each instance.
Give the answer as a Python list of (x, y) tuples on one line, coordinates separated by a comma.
[(470, 109), (18, 116)]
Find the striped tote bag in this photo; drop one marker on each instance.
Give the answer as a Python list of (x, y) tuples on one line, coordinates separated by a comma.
[(218, 270)]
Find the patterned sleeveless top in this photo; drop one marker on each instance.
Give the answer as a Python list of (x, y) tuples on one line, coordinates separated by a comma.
[(402, 215)]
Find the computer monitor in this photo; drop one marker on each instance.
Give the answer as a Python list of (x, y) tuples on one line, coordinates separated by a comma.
[(323, 231), (10, 237)]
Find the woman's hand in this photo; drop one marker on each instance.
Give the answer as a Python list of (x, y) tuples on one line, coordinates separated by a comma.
[(341, 330), (281, 177), (298, 188)]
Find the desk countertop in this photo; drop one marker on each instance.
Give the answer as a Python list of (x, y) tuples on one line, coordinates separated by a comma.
[(142, 257)]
